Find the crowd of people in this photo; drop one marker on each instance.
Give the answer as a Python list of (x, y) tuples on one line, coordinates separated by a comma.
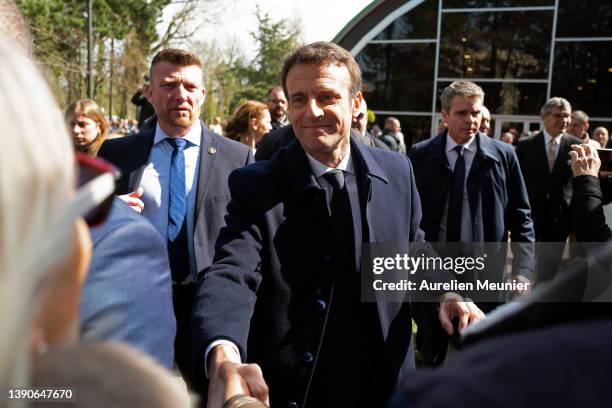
[(179, 266)]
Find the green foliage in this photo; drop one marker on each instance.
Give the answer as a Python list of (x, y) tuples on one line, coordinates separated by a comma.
[(233, 80), (59, 31)]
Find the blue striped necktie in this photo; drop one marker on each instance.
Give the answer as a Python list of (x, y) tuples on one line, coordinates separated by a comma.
[(177, 207)]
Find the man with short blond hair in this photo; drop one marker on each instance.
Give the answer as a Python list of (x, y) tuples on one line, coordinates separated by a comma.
[(176, 175)]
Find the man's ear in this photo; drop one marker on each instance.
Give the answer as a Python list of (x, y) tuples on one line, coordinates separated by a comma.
[(444, 115), (357, 101), (147, 90)]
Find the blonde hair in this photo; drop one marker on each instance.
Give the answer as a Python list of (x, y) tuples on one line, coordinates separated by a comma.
[(91, 110), (37, 178), (238, 123)]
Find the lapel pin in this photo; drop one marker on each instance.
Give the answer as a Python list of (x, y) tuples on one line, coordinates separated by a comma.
[(212, 150)]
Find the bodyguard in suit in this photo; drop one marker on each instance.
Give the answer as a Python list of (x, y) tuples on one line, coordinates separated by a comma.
[(284, 290), (127, 295), (176, 174), (472, 190), (544, 160)]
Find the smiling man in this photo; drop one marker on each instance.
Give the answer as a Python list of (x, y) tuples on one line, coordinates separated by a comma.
[(176, 175), (284, 291)]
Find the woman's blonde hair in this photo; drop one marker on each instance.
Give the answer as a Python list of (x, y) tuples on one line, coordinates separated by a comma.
[(37, 179), (238, 123), (91, 110)]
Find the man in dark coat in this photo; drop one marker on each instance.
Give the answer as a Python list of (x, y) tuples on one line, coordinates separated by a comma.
[(544, 160), (284, 291), (489, 201)]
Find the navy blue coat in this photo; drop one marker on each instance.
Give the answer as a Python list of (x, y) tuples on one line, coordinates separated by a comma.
[(496, 192), (272, 262), (127, 295)]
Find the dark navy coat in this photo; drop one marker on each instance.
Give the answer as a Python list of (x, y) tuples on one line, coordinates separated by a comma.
[(273, 263)]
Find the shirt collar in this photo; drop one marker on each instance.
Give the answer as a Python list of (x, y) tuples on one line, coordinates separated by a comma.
[(193, 136), (548, 137), (469, 145), (319, 169)]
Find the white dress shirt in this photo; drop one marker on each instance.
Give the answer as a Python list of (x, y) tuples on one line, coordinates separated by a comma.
[(466, 215), (548, 138), (155, 183)]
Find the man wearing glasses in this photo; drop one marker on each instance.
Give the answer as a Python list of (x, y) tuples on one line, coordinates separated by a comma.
[(545, 164)]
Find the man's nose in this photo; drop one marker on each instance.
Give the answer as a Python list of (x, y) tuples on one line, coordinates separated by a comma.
[(313, 108), (181, 93), (76, 128)]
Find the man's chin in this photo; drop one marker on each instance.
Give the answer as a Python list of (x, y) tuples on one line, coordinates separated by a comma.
[(182, 122)]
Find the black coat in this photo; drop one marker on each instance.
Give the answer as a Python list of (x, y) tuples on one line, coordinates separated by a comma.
[(273, 265), (549, 193)]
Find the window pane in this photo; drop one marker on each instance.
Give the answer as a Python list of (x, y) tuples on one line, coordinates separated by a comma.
[(509, 98), (419, 23), (398, 76), (591, 18), (582, 74), (497, 3), (495, 45), (414, 128)]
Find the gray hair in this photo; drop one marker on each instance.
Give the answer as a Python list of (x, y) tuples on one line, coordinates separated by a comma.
[(463, 88), (555, 102)]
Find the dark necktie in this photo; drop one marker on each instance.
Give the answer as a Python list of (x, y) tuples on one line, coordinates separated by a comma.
[(342, 217), (455, 198), (177, 209)]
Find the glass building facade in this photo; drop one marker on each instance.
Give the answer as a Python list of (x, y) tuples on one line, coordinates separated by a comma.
[(521, 52)]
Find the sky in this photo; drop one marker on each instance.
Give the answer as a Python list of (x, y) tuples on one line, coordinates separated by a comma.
[(320, 19)]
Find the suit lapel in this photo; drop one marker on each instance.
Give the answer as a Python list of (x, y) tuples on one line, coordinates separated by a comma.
[(540, 154), (209, 150), (140, 155), (562, 156)]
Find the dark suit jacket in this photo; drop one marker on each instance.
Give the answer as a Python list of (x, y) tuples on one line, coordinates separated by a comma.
[(272, 264), (496, 193), (549, 193), (127, 295), (219, 156), (273, 141)]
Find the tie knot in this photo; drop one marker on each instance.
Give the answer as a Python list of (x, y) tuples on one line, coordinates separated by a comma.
[(178, 143), (459, 149), (335, 178)]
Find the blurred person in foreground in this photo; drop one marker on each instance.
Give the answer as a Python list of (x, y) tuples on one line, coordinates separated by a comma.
[(45, 246), (87, 124), (249, 123)]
